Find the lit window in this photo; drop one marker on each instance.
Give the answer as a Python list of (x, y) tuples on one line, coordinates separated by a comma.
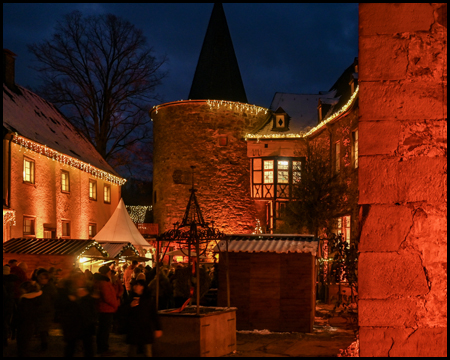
[(107, 194), (92, 230), (257, 176), (65, 181), (268, 171), (355, 148), (28, 170), (296, 171), (283, 172), (338, 156), (92, 190), (66, 228), (28, 226), (347, 224)]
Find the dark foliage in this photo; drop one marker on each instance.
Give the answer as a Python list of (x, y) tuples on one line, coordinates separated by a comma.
[(319, 196)]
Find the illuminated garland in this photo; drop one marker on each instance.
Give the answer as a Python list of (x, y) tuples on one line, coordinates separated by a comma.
[(97, 246), (9, 215), (137, 213), (232, 105), (66, 160), (236, 106), (258, 229), (126, 247), (303, 135)]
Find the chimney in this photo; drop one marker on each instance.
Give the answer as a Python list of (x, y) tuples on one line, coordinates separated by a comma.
[(8, 69)]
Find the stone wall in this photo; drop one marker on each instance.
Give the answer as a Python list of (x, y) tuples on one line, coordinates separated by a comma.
[(403, 179), (211, 138)]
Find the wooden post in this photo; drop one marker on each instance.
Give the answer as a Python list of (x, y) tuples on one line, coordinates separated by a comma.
[(197, 270), (157, 274), (228, 276)]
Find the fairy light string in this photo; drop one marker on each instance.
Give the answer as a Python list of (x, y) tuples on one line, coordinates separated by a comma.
[(29, 145), (314, 129), (137, 213)]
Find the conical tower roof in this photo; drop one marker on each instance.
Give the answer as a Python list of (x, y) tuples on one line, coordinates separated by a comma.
[(217, 76)]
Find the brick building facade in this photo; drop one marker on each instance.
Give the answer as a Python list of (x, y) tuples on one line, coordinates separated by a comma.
[(55, 183)]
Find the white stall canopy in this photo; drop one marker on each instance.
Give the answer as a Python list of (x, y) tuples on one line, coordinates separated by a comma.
[(121, 229)]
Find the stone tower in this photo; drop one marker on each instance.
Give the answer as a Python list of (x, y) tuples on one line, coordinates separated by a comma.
[(207, 132)]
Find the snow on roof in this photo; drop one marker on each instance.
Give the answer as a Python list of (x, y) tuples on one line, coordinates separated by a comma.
[(38, 120), (302, 109), (274, 243)]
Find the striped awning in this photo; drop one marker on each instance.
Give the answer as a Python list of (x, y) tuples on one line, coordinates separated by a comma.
[(297, 243), (48, 246)]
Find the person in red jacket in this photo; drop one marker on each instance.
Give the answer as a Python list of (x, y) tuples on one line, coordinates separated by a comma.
[(107, 306)]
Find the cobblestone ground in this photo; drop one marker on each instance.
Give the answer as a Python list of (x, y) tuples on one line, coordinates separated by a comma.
[(325, 341)]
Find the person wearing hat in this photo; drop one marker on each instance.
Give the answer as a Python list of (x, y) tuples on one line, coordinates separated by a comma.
[(107, 306)]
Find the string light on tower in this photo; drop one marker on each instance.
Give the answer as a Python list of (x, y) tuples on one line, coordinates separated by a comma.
[(137, 213)]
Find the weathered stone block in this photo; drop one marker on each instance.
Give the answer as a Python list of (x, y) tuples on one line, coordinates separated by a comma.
[(403, 342), (397, 312), (423, 138), (384, 180), (382, 275), (382, 57), (380, 137), (385, 228), (401, 100), (390, 18)]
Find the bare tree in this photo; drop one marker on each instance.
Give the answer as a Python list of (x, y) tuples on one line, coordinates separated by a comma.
[(320, 196), (100, 71)]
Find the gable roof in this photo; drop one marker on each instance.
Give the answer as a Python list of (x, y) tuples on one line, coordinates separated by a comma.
[(34, 118), (302, 108), (217, 76)]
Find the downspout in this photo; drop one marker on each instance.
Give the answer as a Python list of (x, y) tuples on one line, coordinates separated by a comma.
[(9, 171)]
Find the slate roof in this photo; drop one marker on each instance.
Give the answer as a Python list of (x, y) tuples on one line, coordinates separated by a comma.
[(271, 243), (46, 246), (217, 76), (38, 120)]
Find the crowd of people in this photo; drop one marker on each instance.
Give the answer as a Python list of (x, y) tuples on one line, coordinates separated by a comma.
[(86, 306)]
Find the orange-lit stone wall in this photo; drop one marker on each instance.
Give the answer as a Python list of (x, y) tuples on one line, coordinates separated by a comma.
[(403, 179), (45, 201), (190, 133)]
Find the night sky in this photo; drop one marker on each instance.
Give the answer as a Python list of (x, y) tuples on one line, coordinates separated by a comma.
[(295, 48)]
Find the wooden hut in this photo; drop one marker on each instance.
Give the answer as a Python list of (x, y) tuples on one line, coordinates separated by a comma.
[(64, 254), (272, 281)]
